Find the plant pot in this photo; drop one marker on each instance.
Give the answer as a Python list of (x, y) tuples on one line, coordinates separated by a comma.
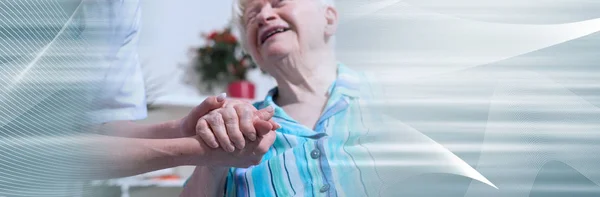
[(241, 89)]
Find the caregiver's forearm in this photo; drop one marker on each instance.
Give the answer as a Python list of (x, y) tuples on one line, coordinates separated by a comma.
[(181, 127), (205, 182), (164, 130), (127, 157), (101, 157)]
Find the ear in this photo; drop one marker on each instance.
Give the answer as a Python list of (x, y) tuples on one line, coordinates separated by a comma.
[(331, 18)]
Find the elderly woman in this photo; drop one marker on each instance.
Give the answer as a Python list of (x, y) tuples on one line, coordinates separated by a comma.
[(329, 143)]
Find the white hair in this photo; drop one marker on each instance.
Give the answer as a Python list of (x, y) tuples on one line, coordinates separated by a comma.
[(238, 22)]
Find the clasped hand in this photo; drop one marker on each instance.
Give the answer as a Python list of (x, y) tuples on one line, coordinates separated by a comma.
[(237, 134)]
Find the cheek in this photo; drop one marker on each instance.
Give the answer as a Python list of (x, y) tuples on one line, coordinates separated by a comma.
[(304, 21), (251, 41), (251, 37)]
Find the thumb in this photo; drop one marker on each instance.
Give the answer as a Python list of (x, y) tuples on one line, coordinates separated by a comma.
[(209, 104)]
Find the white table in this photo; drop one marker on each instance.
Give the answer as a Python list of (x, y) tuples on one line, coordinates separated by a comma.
[(126, 183)]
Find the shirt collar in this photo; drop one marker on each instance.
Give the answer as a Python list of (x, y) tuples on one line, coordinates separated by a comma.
[(345, 87), (347, 84)]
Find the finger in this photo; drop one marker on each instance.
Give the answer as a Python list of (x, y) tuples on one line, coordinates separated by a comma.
[(206, 134), (232, 125), (216, 123), (262, 127), (265, 114), (209, 104), (245, 116), (275, 124)]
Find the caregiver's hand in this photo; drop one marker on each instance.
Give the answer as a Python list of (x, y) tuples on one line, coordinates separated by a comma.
[(187, 125), (227, 126)]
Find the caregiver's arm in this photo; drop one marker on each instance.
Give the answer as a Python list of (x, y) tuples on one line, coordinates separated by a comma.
[(92, 156), (103, 157), (130, 156), (184, 127)]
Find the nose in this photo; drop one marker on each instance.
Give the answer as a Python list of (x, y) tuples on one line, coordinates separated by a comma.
[(266, 15)]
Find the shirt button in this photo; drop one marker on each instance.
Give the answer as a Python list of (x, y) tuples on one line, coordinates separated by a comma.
[(325, 188), (315, 154)]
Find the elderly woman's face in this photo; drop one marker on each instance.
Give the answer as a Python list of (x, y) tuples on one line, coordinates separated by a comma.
[(277, 28)]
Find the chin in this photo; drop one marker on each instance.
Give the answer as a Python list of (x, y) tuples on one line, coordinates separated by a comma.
[(276, 50)]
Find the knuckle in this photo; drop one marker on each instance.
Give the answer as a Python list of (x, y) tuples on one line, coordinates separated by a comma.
[(238, 107), (201, 131), (248, 110), (229, 115), (200, 125), (230, 120), (216, 119)]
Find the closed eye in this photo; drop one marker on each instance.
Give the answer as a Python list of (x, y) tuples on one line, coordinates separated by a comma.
[(278, 3)]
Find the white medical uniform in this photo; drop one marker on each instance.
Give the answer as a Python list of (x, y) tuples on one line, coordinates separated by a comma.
[(115, 27)]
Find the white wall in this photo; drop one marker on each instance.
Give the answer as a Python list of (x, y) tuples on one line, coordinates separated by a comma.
[(170, 29)]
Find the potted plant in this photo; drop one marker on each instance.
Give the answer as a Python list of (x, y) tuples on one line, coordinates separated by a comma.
[(221, 60)]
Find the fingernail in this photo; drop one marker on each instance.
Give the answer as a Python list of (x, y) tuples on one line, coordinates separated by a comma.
[(221, 97), (230, 148), (252, 137), (270, 108), (214, 145)]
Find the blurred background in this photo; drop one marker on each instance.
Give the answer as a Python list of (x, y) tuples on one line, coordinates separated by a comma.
[(511, 87)]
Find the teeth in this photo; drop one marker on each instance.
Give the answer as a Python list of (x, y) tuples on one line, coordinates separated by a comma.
[(278, 30)]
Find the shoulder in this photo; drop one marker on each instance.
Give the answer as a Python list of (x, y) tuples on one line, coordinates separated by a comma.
[(366, 83)]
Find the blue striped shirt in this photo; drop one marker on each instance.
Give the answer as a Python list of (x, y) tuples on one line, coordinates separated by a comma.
[(354, 150), (307, 162)]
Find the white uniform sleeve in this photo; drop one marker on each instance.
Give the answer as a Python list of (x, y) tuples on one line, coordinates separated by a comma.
[(122, 95)]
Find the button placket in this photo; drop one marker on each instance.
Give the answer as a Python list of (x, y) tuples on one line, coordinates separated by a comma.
[(317, 154)]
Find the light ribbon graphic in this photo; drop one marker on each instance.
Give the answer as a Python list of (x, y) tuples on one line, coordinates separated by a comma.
[(400, 152), (423, 43), (474, 77), (19, 80)]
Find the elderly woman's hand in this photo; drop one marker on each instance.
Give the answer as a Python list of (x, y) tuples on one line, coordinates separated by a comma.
[(227, 126)]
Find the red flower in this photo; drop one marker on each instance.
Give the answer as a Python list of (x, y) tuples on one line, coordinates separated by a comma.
[(213, 35), (229, 38)]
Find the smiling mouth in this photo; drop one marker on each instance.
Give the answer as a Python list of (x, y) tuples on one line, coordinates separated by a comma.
[(272, 33)]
